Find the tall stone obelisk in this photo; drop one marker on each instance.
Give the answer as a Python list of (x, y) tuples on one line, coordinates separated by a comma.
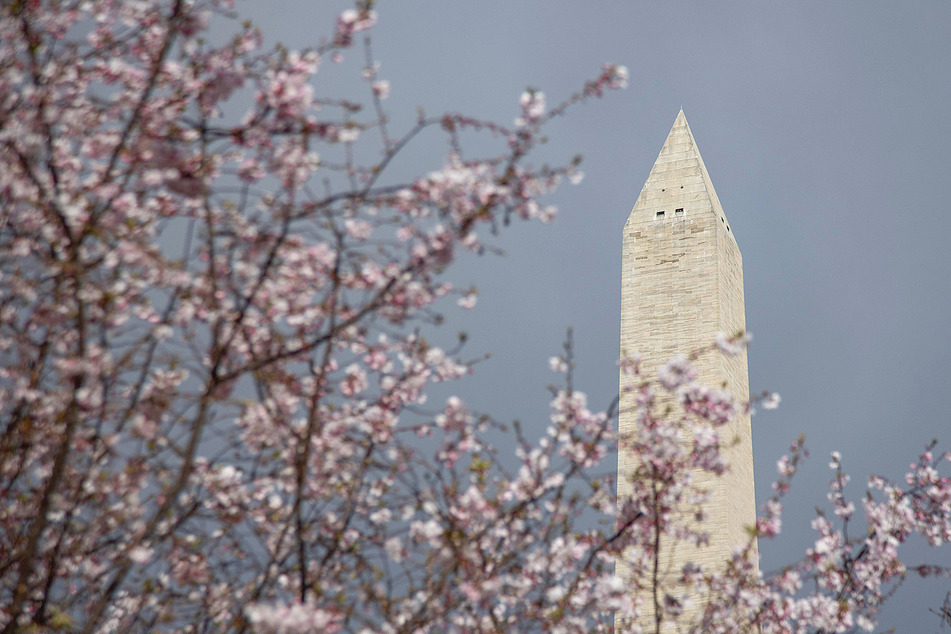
[(682, 283)]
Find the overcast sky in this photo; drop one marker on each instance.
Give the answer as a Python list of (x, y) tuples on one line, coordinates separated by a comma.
[(825, 128)]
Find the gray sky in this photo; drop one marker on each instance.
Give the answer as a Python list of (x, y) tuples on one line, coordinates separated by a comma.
[(824, 127)]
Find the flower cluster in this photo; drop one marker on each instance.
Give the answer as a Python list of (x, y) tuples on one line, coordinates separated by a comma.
[(671, 454)]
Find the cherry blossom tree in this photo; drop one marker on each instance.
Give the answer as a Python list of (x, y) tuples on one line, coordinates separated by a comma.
[(216, 300)]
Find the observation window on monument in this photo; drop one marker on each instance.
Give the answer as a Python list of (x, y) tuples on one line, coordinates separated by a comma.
[(678, 210), (660, 213)]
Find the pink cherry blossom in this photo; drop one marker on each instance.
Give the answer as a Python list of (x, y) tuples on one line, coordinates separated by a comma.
[(220, 288)]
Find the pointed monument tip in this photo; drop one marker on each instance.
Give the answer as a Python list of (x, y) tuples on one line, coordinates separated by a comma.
[(679, 166)]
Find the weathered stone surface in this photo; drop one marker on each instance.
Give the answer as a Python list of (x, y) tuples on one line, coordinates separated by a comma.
[(682, 283)]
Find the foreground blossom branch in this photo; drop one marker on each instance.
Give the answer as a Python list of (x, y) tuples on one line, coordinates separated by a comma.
[(217, 307)]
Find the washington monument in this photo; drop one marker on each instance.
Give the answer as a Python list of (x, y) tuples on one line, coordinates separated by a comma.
[(681, 284)]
